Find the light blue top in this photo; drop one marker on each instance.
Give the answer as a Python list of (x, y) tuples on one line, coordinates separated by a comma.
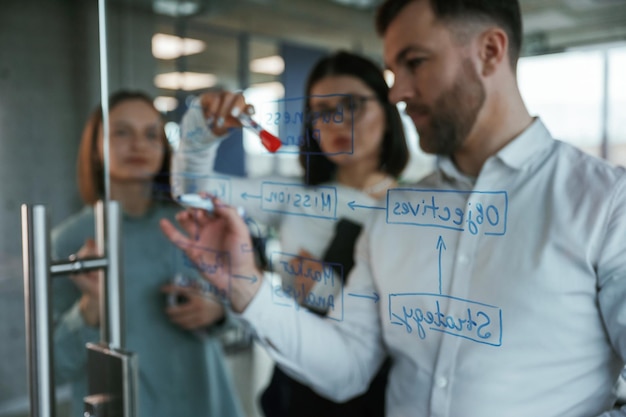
[(503, 296), (180, 374)]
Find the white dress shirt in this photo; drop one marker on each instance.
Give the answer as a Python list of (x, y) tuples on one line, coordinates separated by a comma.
[(503, 295)]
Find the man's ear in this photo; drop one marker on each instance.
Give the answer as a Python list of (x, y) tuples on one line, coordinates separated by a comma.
[(493, 47)]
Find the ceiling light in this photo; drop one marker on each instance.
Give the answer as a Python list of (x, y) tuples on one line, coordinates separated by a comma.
[(272, 65), (188, 81), (272, 90), (171, 47), (176, 7), (361, 4)]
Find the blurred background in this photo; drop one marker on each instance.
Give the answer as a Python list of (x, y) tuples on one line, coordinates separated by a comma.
[(571, 74)]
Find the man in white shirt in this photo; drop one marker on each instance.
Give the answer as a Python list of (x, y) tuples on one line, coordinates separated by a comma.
[(498, 283)]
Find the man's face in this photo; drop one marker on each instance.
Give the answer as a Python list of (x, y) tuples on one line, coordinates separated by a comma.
[(435, 77)]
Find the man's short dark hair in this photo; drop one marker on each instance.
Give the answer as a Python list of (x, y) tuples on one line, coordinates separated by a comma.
[(505, 13)]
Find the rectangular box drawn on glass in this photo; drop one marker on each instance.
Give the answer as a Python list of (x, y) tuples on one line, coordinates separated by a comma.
[(478, 212)]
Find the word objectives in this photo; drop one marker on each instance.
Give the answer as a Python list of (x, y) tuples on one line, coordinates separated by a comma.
[(478, 212), (308, 282)]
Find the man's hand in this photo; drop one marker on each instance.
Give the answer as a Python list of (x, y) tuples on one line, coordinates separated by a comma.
[(218, 244)]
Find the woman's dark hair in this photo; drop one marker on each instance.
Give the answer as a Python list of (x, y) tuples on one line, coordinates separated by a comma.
[(504, 13), (90, 169), (395, 154)]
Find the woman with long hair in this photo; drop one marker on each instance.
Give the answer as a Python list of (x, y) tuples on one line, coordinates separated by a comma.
[(182, 369)]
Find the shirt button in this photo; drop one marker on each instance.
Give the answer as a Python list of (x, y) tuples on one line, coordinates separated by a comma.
[(442, 382), (463, 259)]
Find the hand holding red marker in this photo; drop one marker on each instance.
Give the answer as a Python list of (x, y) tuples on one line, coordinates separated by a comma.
[(271, 142)]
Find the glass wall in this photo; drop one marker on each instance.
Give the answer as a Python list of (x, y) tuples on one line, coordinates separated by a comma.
[(172, 58), (50, 81)]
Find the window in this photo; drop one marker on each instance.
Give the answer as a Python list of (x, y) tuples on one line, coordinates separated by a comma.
[(617, 106), (581, 97), (566, 91)]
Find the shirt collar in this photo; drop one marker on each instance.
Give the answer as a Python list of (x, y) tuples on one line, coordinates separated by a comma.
[(516, 154), (522, 150), (450, 171)]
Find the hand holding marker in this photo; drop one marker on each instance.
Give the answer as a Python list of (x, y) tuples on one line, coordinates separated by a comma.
[(271, 142), (195, 201), (202, 202)]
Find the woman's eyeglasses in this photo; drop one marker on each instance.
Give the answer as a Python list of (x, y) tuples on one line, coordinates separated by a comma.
[(348, 108)]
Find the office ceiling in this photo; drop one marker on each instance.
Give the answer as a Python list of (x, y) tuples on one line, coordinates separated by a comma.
[(549, 25), (553, 25)]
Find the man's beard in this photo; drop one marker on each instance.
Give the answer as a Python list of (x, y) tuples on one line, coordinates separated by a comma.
[(453, 114)]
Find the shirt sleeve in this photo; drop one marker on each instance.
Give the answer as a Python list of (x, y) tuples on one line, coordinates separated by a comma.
[(336, 358), (193, 170), (71, 335), (193, 160), (611, 270)]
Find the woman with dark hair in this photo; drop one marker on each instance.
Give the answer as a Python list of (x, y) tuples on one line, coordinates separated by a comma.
[(323, 162), (321, 165), (182, 369), (355, 150)]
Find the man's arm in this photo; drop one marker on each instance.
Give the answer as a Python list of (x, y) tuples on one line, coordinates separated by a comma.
[(336, 359), (611, 272)]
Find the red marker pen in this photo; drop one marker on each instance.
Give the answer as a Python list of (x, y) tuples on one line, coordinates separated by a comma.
[(271, 142)]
